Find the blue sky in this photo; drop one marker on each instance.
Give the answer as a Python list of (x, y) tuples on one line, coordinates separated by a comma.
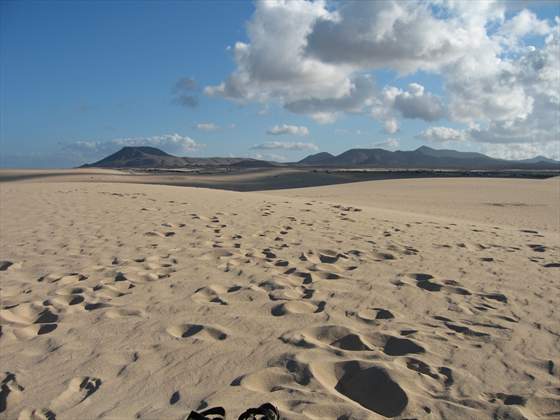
[(78, 79)]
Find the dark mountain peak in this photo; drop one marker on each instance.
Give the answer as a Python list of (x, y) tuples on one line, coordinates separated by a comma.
[(138, 156), (539, 159), (130, 151), (317, 158), (424, 157), (323, 155), (423, 149), (151, 157)]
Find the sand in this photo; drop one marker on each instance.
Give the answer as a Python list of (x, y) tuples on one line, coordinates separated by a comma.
[(386, 299)]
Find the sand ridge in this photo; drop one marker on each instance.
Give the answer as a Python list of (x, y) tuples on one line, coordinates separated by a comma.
[(140, 301)]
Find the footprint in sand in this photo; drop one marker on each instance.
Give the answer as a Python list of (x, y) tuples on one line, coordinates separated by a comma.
[(210, 294), (266, 380), (64, 279), (34, 330), (124, 313), (537, 247), (382, 256), (369, 385), (455, 287), (288, 292), (424, 281), (29, 320), (4, 265), (202, 332), (421, 367), (69, 296), (10, 392), (552, 265), (370, 315), (343, 338), (36, 414), (396, 346), (28, 313), (216, 253), (495, 296), (329, 256), (160, 234), (461, 329), (335, 336), (297, 307), (78, 390)]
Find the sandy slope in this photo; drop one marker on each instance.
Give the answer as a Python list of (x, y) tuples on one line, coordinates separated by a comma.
[(529, 203), (142, 301)]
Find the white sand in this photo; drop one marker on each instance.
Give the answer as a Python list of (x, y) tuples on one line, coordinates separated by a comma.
[(407, 299)]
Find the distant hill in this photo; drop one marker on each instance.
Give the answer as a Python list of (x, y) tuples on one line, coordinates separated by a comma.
[(151, 157), (539, 159), (424, 158), (316, 158)]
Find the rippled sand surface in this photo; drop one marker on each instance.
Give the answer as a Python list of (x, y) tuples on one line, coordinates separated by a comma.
[(386, 299)]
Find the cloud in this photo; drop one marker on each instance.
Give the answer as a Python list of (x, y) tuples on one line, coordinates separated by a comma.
[(405, 36), (510, 99), (270, 157), (415, 103), (442, 134), (271, 66), (206, 126), (519, 26), (318, 58), (272, 145), (390, 144), (183, 92), (185, 84), (325, 110), (295, 130), (303, 50), (189, 101), (91, 150), (522, 150), (391, 126)]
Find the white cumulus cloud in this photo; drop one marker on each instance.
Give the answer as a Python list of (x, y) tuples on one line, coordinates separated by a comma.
[(280, 145), (94, 149), (270, 157), (391, 126), (522, 150), (207, 126), (389, 144), (295, 130), (416, 103), (498, 67), (442, 134)]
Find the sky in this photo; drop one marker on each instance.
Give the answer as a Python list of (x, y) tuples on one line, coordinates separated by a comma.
[(277, 80)]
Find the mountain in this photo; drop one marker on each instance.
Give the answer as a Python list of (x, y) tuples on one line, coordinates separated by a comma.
[(538, 159), (151, 157), (139, 157), (316, 158), (424, 158)]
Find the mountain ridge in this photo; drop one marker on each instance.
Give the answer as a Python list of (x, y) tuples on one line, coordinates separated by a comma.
[(423, 157), (151, 157)]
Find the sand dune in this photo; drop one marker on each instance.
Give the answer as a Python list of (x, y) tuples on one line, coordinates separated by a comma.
[(396, 299)]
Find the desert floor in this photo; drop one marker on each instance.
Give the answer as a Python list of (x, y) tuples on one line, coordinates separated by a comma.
[(402, 298)]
